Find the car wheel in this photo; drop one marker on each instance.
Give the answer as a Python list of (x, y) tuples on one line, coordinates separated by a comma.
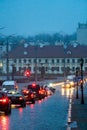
[(8, 111), (23, 104), (33, 101)]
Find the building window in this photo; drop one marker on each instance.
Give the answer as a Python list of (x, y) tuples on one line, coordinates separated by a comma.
[(73, 60), (62, 68), (15, 60), (57, 68), (85, 60), (63, 60), (73, 68), (19, 61), (53, 68), (78, 60), (57, 60), (35, 60), (34, 69), (52, 60), (85, 68), (24, 60), (68, 60), (39, 68), (29, 60), (39, 60), (46, 68), (46, 61), (25, 53)]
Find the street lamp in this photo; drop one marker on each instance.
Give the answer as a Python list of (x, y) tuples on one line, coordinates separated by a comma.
[(36, 67), (77, 71), (65, 62), (13, 71), (7, 50), (7, 57), (81, 65)]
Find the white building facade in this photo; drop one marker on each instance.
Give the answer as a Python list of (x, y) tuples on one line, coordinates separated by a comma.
[(53, 59)]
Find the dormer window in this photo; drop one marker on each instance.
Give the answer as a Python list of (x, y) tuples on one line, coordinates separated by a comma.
[(25, 52), (25, 45)]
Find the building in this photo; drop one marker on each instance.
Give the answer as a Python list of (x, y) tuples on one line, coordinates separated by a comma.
[(54, 59), (82, 33)]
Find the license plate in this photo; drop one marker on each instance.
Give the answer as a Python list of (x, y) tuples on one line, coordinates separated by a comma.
[(13, 97)]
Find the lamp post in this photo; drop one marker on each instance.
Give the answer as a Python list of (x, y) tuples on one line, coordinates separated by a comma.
[(7, 60), (7, 50), (81, 65), (77, 83), (13, 71), (65, 62), (36, 67)]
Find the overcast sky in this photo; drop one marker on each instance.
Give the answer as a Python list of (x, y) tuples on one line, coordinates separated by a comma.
[(30, 17)]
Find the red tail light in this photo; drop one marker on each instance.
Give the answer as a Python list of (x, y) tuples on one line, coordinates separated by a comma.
[(20, 98), (4, 100), (27, 91), (33, 85), (40, 92), (32, 95)]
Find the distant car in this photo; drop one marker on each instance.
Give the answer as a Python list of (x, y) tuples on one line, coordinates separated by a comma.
[(17, 97), (29, 95), (37, 90), (66, 85), (5, 103), (9, 85), (52, 89)]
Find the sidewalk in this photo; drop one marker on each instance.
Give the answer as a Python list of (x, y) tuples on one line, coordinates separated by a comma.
[(78, 112)]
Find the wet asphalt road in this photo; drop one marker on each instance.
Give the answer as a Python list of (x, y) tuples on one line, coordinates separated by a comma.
[(47, 114)]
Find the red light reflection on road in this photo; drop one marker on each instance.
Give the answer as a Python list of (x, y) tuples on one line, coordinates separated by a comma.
[(20, 111), (4, 123), (31, 106), (39, 101)]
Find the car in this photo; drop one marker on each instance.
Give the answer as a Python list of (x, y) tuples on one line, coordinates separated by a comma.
[(66, 85), (17, 98), (5, 103), (9, 85), (37, 90), (49, 92), (29, 95)]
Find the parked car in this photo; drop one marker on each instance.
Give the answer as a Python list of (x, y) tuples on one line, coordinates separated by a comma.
[(17, 97), (29, 95), (5, 103)]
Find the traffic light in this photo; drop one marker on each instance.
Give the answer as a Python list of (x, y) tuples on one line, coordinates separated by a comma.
[(27, 73)]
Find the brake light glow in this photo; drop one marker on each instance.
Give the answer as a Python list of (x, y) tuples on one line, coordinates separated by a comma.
[(33, 85), (32, 95), (20, 98), (4, 100)]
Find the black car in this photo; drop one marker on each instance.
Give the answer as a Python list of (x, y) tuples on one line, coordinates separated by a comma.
[(37, 90), (5, 103), (17, 98), (29, 95)]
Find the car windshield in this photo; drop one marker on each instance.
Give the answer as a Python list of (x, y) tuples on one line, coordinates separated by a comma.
[(8, 87)]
